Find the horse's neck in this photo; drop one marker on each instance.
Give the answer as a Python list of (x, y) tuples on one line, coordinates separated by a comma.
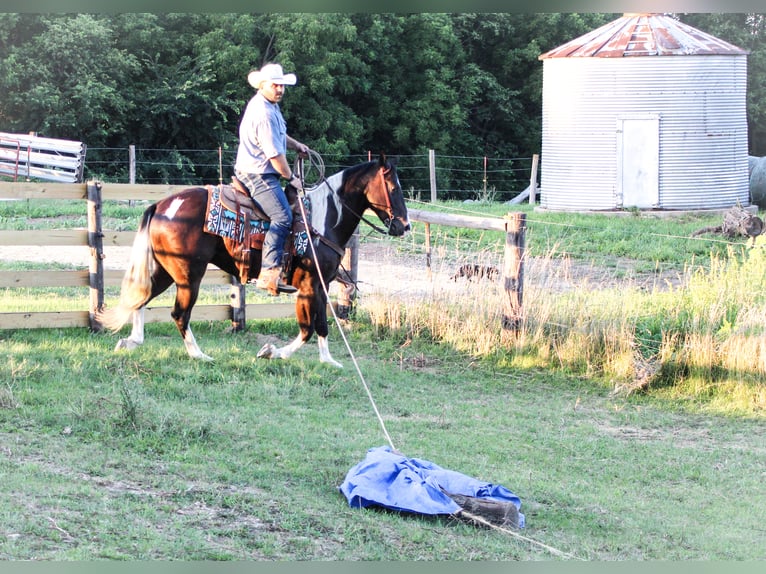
[(328, 217)]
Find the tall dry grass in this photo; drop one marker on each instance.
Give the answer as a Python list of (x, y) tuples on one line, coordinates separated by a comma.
[(703, 339)]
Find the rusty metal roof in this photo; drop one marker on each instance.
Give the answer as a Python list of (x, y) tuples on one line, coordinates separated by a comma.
[(643, 35)]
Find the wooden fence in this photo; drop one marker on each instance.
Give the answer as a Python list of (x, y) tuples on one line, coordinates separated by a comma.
[(96, 278), (514, 226)]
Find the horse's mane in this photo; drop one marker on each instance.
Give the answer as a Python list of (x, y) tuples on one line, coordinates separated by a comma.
[(327, 193)]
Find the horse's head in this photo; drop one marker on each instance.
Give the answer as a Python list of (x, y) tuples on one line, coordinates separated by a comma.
[(384, 194)]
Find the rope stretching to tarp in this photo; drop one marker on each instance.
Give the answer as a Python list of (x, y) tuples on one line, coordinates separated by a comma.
[(300, 173), (478, 519)]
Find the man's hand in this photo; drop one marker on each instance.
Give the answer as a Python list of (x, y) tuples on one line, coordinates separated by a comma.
[(300, 147), (296, 182), (303, 150)]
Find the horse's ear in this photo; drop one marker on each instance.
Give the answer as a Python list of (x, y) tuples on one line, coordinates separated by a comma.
[(384, 161)]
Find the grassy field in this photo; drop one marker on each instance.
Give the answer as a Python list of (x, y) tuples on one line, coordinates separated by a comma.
[(149, 455), (153, 456)]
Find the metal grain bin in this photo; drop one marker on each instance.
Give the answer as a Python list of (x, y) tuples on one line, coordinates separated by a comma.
[(647, 113)]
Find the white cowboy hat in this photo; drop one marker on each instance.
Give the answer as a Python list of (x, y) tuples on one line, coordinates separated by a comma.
[(270, 73)]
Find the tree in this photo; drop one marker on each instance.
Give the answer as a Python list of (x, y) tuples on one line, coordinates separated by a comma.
[(61, 76)]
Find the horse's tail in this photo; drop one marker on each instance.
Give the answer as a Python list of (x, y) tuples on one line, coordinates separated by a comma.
[(137, 282)]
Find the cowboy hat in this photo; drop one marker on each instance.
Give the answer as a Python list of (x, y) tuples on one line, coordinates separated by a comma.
[(270, 73)]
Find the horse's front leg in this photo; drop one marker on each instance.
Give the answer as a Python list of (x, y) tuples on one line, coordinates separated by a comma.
[(311, 312), (136, 338), (303, 313), (270, 351), (322, 330), (324, 352)]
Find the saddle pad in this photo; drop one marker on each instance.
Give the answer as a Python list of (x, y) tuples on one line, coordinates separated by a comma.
[(222, 220)]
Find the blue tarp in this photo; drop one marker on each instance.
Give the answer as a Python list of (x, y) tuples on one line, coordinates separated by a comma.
[(388, 479)]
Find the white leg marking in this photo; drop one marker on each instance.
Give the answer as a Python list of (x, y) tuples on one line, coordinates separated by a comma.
[(192, 348), (269, 351), (324, 352), (136, 338)]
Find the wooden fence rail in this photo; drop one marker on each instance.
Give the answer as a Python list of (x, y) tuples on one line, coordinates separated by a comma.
[(96, 278)]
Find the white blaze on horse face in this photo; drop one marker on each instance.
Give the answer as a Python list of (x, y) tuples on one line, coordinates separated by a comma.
[(175, 205), (320, 200), (406, 220)]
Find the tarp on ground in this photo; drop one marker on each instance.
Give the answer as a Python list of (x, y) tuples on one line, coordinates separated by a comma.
[(390, 480)]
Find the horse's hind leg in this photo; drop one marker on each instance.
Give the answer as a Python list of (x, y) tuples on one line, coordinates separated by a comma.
[(136, 338), (160, 281), (186, 296)]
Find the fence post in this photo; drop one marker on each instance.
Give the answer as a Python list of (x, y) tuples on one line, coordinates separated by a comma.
[(96, 244), (132, 164), (347, 277), (533, 179), (237, 305), (428, 247), (432, 173), (131, 168), (513, 273)]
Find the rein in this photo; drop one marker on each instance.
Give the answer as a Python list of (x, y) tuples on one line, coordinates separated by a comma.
[(316, 160)]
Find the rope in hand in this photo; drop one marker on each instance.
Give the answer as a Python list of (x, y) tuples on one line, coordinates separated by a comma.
[(315, 161), (300, 172)]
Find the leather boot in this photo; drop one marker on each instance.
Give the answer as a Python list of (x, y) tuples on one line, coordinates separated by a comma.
[(270, 280)]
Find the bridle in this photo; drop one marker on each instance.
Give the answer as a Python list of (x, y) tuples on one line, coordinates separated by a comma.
[(315, 160)]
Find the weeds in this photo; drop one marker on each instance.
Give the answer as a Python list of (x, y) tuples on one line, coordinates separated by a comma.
[(709, 330)]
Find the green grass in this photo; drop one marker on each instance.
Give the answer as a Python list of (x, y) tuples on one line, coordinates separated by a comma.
[(152, 456), (599, 238)]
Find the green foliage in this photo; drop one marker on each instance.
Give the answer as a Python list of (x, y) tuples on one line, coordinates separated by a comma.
[(464, 84), (66, 80)]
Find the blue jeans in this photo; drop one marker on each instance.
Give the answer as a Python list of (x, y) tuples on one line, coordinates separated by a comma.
[(270, 196)]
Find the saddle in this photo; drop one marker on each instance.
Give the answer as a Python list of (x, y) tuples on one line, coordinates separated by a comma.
[(233, 215)]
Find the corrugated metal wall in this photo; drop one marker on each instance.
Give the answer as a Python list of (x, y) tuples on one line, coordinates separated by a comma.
[(703, 158)]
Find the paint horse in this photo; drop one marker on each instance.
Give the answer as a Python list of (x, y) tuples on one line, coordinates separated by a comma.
[(171, 246)]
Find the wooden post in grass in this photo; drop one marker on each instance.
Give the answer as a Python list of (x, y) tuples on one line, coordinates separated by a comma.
[(96, 244), (533, 179), (428, 247), (513, 273)]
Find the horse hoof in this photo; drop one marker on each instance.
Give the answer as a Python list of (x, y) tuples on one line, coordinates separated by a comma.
[(126, 345), (267, 351)]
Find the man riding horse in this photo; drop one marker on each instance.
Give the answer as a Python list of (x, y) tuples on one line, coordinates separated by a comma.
[(261, 161)]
